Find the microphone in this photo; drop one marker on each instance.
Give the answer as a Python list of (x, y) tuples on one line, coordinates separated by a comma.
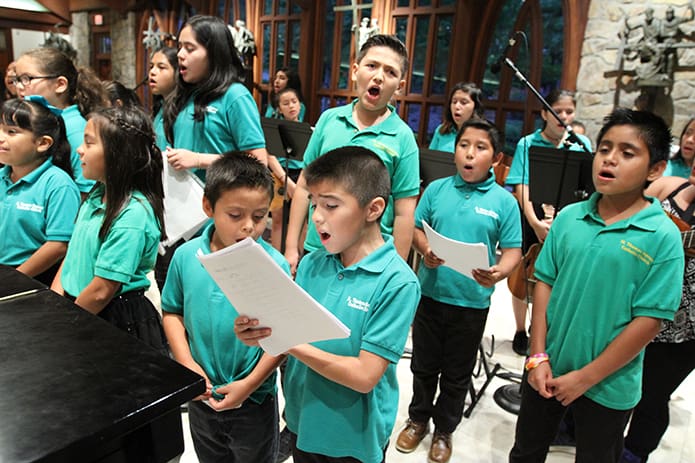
[(496, 66)]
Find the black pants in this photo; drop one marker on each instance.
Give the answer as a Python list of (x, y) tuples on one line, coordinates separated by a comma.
[(300, 456), (666, 365), (598, 429), (445, 347)]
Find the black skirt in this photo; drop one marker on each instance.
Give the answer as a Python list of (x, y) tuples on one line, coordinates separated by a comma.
[(133, 313)]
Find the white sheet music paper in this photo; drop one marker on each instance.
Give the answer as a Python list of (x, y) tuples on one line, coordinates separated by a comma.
[(183, 204), (258, 287), (460, 256)]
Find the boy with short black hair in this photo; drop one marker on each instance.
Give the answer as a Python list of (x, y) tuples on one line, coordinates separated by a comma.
[(605, 282), (449, 323), (368, 121), (342, 395), (240, 420)]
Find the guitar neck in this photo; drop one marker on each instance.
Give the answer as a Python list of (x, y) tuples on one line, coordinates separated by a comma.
[(688, 238)]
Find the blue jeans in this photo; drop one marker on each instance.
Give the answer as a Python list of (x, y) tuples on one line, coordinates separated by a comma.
[(247, 434)]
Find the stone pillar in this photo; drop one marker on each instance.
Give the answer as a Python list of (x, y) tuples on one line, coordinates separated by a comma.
[(123, 51), (80, 37)]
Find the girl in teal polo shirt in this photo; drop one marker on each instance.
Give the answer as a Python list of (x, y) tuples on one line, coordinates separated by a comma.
[(211, 112), (682, 163), (464, 103), (38, 199), (119, 225), (76, 91), (284, 78)]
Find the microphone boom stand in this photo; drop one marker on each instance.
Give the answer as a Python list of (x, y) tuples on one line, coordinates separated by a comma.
[(508, 396)]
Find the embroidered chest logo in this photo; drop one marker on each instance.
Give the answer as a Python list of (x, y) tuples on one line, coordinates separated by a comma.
[(481, 211), (637, 252), (211, 109), (22, 206), (357, 304)]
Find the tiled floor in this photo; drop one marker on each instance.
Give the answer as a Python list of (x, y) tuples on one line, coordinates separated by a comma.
[(488, 434)]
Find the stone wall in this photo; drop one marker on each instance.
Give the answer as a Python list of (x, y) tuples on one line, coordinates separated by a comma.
[(598, 94)]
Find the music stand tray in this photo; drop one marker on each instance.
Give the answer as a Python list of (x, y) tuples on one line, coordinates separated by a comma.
[(287, 139), (559, 177), (435, 164)]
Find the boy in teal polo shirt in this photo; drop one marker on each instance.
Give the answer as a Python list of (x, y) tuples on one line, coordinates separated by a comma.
[(342, 395), (369, 121), (449, 324), (605, 282), (240, 420)]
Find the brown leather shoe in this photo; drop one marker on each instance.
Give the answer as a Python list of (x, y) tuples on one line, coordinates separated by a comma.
[(440, 451), (411, 436)]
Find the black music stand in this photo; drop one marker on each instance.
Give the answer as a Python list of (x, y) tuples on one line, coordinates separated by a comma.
[(559, 176), (435, 164), (291, 139)]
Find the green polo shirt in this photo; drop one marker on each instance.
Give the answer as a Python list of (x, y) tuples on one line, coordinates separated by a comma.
[(208, 316), (39, 207), (473, 213), (518, 172), (231, 123), (392, 140), (602, 277), (445, 142), (74, 127), (126, 255), (677, 168), (376, 299), (158, 125)]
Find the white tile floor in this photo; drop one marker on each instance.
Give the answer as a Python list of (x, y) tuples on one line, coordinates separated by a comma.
[(488, 434)]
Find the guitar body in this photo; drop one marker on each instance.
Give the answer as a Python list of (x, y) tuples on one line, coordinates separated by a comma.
[(687, 234), (521, 280)]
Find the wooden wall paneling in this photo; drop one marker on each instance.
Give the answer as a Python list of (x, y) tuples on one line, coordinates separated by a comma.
[(576, 15)]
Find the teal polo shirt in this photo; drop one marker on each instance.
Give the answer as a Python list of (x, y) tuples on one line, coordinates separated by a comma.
[(677, 168), (160, 135), (518, 172), (392, 140), (39, 207), (74, 127), (473, 213), (376, 298), (602, 277), (231, 123), (208, 316), (126, 255), (445, 142)]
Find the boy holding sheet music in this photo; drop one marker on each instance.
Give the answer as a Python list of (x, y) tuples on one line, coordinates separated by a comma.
[(237, 418), (469, 207), (342, 395)]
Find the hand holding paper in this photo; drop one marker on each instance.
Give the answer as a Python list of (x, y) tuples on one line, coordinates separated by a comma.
[(459, 256), (258, 288)]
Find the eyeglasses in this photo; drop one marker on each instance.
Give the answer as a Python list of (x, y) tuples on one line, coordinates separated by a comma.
[(26, 79)]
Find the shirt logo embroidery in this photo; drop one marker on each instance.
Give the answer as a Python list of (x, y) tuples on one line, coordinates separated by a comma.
[(22, 206), (481, 211), (357, 304), (635, 251), (211, 109)]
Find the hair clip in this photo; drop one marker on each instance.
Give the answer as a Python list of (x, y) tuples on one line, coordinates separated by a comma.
[(43, 102)]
